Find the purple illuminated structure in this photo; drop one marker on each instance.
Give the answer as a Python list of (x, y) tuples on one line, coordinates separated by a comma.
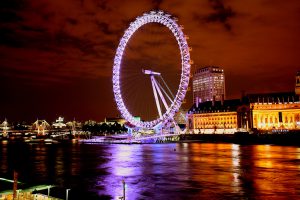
[(166, 20)]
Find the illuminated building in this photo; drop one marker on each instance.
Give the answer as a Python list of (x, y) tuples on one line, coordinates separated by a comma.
[(41, 127), (59, 123), (271, 112), (276, 112), (5, 127), (208, 84), (112, 120), (74, 124), (216, 117)]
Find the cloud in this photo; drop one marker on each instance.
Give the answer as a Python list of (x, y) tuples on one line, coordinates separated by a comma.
[(58, 43), (51, 40), (216, 12), (84, 38), (221, 13)]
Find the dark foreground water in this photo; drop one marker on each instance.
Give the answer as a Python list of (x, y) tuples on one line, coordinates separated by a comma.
[(157, 171)]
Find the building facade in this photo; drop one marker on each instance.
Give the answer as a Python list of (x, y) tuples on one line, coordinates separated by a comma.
[(276, 112), (216, 117), (208, 84), (217, 122)]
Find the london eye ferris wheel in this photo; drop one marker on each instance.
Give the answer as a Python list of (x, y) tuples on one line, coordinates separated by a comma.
[(166, 100)]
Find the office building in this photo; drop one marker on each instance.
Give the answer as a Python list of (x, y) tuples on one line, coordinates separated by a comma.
[(208, 84)]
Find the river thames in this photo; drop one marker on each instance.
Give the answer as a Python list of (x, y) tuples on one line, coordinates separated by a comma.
[(157, 171)]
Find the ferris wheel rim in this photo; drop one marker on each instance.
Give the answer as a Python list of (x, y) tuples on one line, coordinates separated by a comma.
[(166, 20)]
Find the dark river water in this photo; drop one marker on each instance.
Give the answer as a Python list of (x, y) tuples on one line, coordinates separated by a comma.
[(157, 171)]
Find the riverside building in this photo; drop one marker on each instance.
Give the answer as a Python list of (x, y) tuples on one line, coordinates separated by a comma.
[(276, 112), (271, 112), (218, 117), (208, 84)]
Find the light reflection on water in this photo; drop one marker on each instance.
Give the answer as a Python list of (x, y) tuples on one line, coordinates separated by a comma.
[(159, 171)]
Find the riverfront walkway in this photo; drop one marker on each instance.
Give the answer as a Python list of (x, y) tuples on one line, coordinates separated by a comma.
[(124, 139), (27, 196)]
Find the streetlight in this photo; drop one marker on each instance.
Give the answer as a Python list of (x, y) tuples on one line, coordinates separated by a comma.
[(49, 186), (67, 193), (124, 184)]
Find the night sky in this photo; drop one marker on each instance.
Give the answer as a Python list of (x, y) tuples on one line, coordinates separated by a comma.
[(56, 56)]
